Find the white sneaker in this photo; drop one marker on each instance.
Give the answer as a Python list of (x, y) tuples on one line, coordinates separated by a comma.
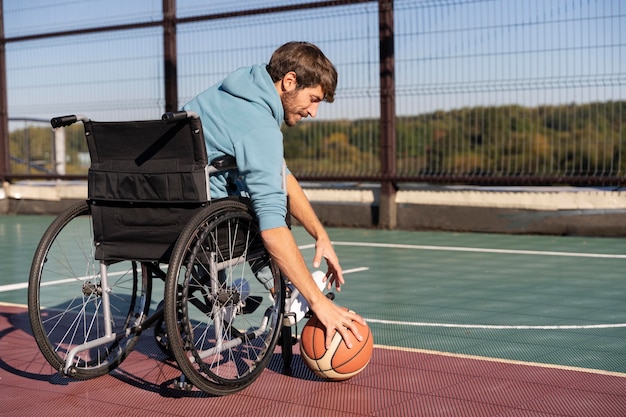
[(296, 306)]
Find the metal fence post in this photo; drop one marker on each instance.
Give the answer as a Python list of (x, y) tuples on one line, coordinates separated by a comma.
[(169, 55), (4, 109), (58, 147), (387, 203)]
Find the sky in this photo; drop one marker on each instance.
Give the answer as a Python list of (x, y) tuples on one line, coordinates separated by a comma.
[(449, 53)]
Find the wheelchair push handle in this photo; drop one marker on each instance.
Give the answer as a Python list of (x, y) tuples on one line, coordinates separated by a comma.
[(63, 121), (174, 116)]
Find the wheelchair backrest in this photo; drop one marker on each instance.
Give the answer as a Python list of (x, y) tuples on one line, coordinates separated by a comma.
[(146, 180), (147, 161)]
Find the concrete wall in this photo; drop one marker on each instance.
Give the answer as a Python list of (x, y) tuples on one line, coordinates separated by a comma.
[(608, 223), (533, 210), (41, 197)]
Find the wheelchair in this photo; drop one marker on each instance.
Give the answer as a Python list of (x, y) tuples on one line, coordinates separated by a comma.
[(149, 217)]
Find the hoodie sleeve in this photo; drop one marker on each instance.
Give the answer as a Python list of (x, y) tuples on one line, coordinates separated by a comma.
[(260, 162)]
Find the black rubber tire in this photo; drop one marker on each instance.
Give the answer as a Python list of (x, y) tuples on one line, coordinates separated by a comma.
[(64, 297), (204, 306)]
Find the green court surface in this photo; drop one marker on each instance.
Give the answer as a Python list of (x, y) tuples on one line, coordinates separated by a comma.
[(554, 300)]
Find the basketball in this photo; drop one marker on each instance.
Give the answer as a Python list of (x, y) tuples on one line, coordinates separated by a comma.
[(337, 363)]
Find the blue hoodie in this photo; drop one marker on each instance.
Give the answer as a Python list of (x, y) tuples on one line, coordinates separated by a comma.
[(241, 116)]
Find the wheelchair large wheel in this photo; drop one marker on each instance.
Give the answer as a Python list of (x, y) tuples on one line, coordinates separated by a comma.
[(65, 298), (222, 322)]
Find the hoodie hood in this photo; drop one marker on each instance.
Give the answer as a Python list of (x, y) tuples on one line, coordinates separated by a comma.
[(255, 85)]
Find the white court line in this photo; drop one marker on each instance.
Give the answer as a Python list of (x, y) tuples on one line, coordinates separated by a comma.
[(19, 286), (482, 250), (24, 285), (13, 287), (495, 326), (478, 250), (353, 270), (501, 360)]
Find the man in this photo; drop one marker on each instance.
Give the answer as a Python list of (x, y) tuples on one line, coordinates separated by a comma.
[(241, 116)]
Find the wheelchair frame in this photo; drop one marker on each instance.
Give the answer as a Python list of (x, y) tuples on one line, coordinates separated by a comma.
[(88, 307)]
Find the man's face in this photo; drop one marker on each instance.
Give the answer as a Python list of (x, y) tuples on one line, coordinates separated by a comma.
[(299, 104)]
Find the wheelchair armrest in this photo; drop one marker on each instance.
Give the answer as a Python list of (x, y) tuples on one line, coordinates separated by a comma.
[(224, 163)]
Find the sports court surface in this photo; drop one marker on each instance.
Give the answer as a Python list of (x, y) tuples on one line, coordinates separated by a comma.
[(464, 325)]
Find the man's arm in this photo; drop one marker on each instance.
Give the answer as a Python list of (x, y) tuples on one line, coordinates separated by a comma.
[(281, 245), (300, 208), (285, 252)]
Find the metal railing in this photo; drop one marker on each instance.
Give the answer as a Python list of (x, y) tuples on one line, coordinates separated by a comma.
[(429, 91)]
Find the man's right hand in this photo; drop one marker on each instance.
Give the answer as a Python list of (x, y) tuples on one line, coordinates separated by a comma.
[(338, 319)]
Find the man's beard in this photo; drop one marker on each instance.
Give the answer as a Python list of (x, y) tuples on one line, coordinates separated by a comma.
[(288, 99)]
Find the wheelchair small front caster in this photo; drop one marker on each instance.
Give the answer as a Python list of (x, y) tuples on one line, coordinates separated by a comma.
[(181, 384)]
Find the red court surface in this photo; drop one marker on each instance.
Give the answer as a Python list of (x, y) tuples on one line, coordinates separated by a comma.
[(397, 383)]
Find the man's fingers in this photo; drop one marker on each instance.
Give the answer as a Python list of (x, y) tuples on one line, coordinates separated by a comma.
[(317, 260), (355, 317), (332, 280), (355, 331), (347, 332), (345, 335), (329, 338)]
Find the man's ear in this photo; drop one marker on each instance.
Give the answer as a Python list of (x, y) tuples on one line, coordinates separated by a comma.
[(289, 81)]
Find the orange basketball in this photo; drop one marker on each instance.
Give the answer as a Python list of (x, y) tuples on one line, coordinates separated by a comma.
[(338, 362)]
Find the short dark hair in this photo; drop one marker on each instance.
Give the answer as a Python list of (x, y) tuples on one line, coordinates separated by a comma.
[(311, 66)]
